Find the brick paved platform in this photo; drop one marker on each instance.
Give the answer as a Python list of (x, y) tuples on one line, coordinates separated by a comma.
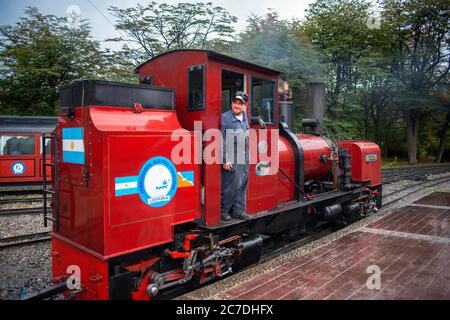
[(436, 198), (411, 247)]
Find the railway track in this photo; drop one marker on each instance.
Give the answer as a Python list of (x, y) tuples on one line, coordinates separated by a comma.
[(431, 184), (26, 239), (20, 190), (22, 211), (415, 173), (15, 192), (21, 200), (409, 186), (12, 197), (412, 168)]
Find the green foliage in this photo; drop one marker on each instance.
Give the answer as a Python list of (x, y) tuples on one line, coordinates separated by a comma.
[(120, 65), (152, 29), (377, 75), (277, 43), (155, 28), (419, 47), (281, 45), (39, 54), (418, 32), (338, 29), (359, 88)]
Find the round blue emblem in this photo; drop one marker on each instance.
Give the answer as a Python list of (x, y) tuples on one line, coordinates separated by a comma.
[(262, 169), (157, 182), (18, 168)]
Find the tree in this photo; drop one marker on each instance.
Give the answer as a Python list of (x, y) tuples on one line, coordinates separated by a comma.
[(377, 74), (338, 29), (280, 44), (444, 97), (120, 65), (40, 53), (375, 92), (154, 28), (420, 51)]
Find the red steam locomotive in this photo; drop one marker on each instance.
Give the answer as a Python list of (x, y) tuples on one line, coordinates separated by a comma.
[(130, 222)]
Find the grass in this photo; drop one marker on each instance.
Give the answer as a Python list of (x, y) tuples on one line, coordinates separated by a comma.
[(399, 163)]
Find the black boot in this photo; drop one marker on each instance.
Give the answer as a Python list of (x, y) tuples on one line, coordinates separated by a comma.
[(226, 217), (241, 216)]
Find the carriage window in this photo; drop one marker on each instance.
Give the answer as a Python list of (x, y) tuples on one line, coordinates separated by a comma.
[(17, 145), (263, 99), (196, 88)]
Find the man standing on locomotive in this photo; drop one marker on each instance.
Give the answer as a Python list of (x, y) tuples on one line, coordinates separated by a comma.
[(235, 169)]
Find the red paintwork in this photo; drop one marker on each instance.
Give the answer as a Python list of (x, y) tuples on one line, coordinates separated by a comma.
[(33, 164), (362, 170), (285, 188), (313, 148), (141, 293), (118, 143), (171, 70), (187, 241), (93, 269), (262, 191), (179, 255)]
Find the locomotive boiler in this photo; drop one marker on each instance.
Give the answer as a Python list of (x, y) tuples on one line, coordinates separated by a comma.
[(132, 222)]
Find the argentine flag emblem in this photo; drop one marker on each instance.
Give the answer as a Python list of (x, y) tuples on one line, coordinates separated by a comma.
[(73, 145), (126, 186)]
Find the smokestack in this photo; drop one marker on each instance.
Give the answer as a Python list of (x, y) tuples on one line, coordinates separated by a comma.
[(285, 106), (315, 106)]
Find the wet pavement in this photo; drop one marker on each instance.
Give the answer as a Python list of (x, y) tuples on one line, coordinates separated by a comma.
[(402, 255)]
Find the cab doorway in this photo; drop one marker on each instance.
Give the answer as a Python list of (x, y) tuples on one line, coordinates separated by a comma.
[(232, 82)]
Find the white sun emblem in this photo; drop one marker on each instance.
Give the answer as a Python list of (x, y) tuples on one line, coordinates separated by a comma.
[(158, 181)]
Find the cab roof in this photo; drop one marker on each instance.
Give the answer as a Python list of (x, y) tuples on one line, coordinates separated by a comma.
[(216, 56)]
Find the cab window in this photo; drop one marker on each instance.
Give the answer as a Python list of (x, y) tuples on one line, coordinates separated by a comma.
[(196, 83), (146, 80), (263, 99), (17, 145)]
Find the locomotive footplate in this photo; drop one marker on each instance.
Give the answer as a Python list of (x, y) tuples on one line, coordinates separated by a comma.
[(327, 197)]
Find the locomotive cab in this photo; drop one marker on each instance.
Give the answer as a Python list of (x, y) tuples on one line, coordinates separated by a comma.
[(205, 82)]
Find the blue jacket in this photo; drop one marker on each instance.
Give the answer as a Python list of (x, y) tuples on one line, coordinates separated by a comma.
[(240, 131)]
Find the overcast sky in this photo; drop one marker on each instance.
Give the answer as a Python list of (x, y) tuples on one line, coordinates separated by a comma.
[(11, 10)]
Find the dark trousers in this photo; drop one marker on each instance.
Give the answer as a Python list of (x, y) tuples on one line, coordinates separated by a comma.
[(234, 189)]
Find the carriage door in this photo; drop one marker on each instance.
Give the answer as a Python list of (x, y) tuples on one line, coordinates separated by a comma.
[(262, 191)]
